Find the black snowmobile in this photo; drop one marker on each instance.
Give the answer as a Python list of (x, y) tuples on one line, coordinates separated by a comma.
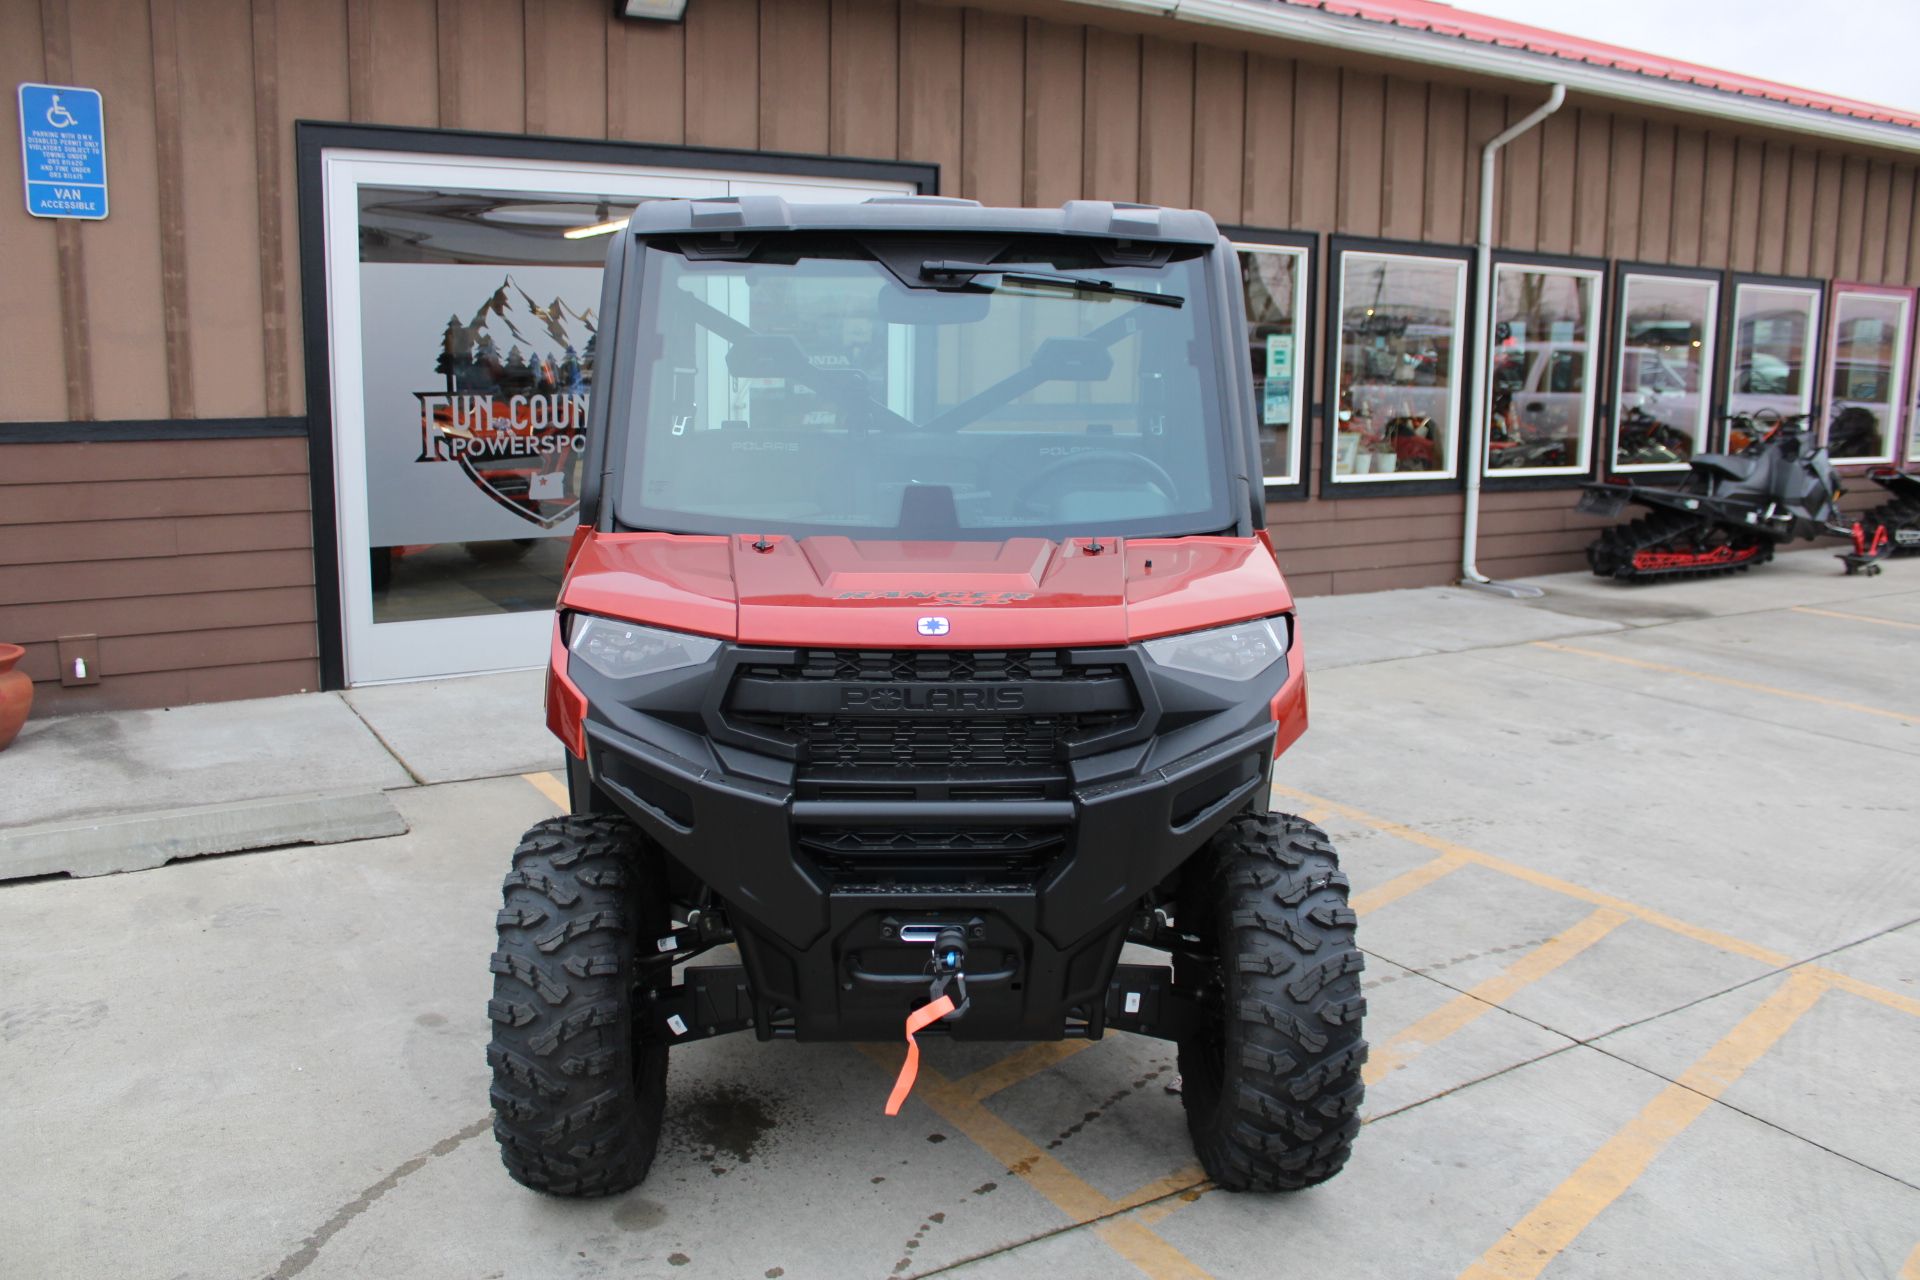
[(1732, 510), (1900, 514)]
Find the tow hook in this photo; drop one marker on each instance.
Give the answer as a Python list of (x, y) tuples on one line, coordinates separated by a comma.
[(949, 966)]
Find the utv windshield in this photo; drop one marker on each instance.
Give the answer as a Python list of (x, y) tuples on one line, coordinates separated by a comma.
[(810, 390)]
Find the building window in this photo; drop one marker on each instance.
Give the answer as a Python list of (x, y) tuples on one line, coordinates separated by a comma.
[(1397, 357), (1542, 375), (1772, 366), (1666, 348), (1865, 374), (1274, 280)]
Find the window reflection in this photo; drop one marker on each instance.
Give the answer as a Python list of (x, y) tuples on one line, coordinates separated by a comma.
[(1274, 281), (1398, 362), (1773, 328), (1541, 376), (1666, 346), (1869, 337)]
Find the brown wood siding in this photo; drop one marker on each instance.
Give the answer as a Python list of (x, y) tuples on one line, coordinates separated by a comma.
[(187, 302), (192, 561)]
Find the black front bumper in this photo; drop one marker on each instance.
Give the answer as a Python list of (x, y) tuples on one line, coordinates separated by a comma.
[(1071, 851)]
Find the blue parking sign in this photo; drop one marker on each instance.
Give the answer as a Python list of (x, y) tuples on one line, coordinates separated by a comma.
[(63, 148)]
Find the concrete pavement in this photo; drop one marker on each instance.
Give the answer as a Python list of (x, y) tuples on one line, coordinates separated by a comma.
[(1640, 893)]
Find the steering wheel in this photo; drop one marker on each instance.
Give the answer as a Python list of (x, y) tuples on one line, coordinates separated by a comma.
[(1091, 457)]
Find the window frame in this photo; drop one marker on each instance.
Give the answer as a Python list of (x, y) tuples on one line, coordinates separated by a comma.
[(1729, 323), (1623, 272), (1292, 488), (1555, 477), (1411, 483), (1898, 407)]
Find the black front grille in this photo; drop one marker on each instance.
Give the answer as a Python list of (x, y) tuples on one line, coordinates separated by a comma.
[(975, 742), (884, 855), (1003, 741), (932, 666)]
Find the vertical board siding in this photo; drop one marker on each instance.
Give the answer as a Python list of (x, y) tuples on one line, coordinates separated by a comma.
[(1590, 184), (1267, 160), (313, 85), (1559, 161), (1826, 215), (482, 85), (646, 81), (993, 100), (1055, 98), (1449, 167), (125, 317), (1623, 190), (1744, 247), (1111, 129), (1486, 117), (1851, 218), (1716, 220), (1403, 164), (1362, 120), (221, 211), (1166, 122), (793, 75), (1803, 178), (863, 72), (1899, 225), (1776, 172), (1873, 237), (1689, 182), (1316, 146), (1656, 193), (1219, 132), (723, 73), (563, 66), (930, 44), (1519, 197)]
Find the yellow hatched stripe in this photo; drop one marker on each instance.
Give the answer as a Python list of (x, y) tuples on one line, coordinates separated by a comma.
[(1857, 617), (1905, 717), (550, 786), (1465, 1009), (1405, 883), (1026, 1160), (1537, 1239)]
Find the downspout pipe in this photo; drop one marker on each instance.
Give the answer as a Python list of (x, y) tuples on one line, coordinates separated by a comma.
[(1480, 397)]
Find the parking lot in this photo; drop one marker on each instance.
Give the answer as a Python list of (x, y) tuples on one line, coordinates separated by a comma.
[(1639, 878)]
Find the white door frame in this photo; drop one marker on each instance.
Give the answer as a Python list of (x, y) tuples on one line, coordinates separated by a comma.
[(383, 652)]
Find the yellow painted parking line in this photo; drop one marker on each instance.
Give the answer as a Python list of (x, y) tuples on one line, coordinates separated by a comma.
[(550, 786), (1905, 717), (1026, 1160), (1711, 937), (1857, 617), (1911, 1271), (1465, 1009), (1168, 1195), (1659, 919), (1018, 1066), (1867, 990), (1537, 1239), (1405, 883)]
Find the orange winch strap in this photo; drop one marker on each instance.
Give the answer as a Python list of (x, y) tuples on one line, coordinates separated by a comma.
[(919, 1020)]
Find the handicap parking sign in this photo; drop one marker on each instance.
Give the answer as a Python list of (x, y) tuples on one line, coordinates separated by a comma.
[(63, 148)]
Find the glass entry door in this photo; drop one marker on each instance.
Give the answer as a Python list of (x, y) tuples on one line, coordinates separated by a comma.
[(462, 299)]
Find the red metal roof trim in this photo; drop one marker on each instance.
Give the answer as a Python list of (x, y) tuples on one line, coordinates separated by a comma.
[(1445, 20)]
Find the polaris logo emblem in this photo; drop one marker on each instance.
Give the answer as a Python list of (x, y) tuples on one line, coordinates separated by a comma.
[(932, 697), (935, 626)]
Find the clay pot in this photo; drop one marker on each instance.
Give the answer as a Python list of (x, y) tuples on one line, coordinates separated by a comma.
[(16, 693)]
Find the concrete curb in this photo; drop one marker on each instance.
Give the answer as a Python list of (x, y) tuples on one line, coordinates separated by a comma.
[(140, 841)]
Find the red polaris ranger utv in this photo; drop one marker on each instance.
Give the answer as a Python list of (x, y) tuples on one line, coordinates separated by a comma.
[(922, 641)]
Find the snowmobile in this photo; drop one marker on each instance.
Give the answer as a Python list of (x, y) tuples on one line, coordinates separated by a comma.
[(1731, 511), (1900, 515)]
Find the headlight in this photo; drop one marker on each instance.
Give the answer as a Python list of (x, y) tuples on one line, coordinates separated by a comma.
[(625, 649), (1238, 652)]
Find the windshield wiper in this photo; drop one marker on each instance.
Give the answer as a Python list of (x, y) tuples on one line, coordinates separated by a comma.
[(968, 270)]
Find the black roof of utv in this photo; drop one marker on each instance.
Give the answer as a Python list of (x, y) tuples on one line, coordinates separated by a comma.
[(942, 214)]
